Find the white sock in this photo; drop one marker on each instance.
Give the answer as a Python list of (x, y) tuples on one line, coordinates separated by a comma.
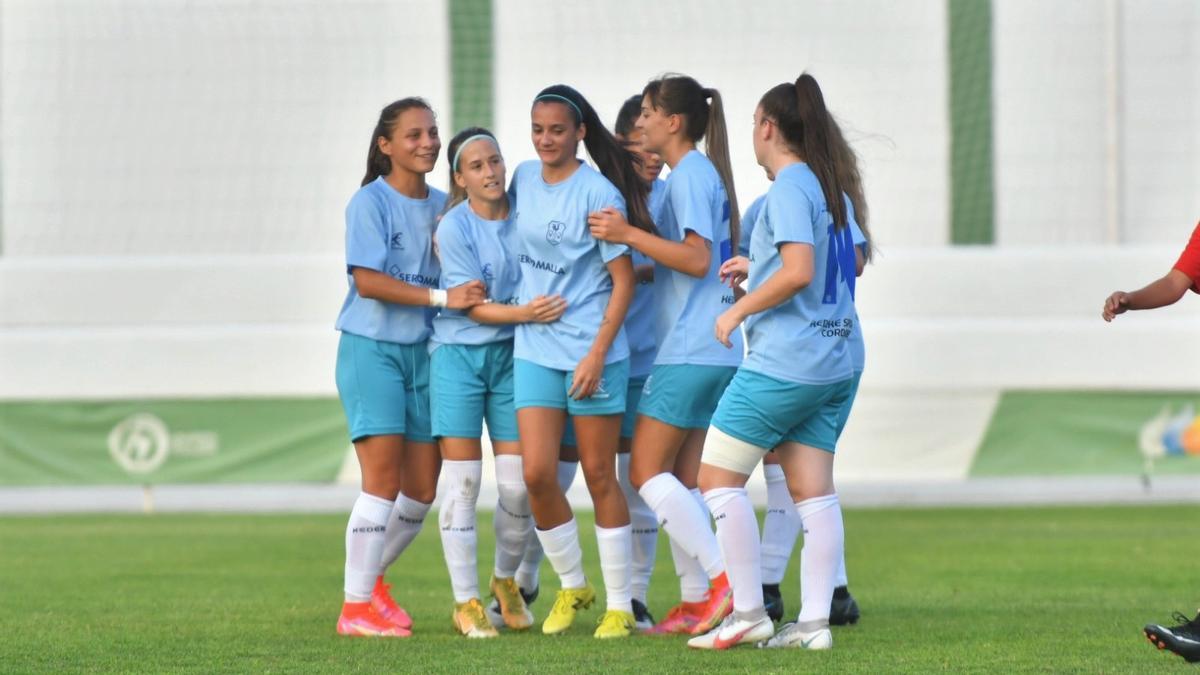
[(456, 519), (693, 582), (364, 545), (840, 579), (528, 574), (781, 526), (684, 521), (562, 548), (737, 532), (403, 526), (616, 549), (823, 543), (513, 520), (645, 531)]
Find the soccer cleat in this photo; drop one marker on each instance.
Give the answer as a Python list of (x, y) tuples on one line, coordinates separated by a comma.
[(680, 620), (843, 609), (470, 621), (1183, 639), (385, 606), (358, 619), (773, 601), (493, 609), (641, 616), (614, 624), (511, 604), (568, 601), (717, 607), (736, 629), (792, 636)]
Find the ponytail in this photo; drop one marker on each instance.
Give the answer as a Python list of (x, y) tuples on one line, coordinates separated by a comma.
[(614, 161), (459, 194), (683, 95), (379, 164), (846, 161)]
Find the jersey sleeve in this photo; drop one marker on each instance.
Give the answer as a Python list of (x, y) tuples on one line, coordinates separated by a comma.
[(609, 196), (366, 235), (1189, 261), (790, 213), (748, 221), (690, 195), (460, 260)]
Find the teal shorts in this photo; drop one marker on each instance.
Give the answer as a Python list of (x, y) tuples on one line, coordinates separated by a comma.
[(844, 413), (537, 386), (684, 396), (633, 393), (764, 411), (471, 383), (384, 387)]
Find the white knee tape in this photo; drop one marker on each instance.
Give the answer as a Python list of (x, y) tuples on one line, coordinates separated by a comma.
[(726, 452)]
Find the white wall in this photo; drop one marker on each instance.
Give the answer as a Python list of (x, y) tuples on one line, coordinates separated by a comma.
[(881, 65), (168, 127), (1051, 119)]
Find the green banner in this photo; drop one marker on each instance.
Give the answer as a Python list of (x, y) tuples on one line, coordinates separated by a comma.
[(1056, 433), (171, 441)]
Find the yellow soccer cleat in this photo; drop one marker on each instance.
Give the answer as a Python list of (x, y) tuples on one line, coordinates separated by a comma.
[(569, 601), (512, 605), (615, 624), (470, 620)]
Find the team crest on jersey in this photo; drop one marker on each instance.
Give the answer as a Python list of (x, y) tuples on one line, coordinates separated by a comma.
[(555, 231), (398, 241), (488, 275)]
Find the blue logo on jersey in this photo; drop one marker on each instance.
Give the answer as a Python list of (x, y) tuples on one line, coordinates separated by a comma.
[(487, 272), (555, 231), (397, 242)]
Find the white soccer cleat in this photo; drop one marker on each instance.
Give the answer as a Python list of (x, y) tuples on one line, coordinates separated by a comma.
[(810, 635), (736, 629)]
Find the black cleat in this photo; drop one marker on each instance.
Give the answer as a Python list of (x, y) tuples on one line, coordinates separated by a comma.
[(773, 600), (641, 616), (843, 609), (1183, 639)]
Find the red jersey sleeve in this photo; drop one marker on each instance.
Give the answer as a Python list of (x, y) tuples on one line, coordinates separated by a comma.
[(1189, 262)]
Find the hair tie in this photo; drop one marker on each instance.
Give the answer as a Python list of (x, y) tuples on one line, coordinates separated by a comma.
[(476, 137), (564, 99)]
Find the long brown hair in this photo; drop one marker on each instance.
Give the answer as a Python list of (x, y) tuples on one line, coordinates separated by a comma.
[(799, 111), (379, 164), (704, 114)]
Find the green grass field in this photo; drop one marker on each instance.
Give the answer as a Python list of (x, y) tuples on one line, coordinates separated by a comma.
[(963, 590)]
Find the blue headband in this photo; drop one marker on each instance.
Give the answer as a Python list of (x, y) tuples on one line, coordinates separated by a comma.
[(564, 99), (467, 142)]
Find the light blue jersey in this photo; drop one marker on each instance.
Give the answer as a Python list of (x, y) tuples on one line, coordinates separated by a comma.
[(688, 307), (858, 349), (804, 339), (639, 322), (390, 233), (558, 256), (473, 248)]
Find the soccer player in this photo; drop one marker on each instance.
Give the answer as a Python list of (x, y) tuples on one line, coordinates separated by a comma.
[(382, 360), (798, 372), (472, 379), (580, 363), (696, 226), (639, 331), (1183, 639)]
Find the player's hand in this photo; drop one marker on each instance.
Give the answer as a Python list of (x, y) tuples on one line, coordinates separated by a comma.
[(467, 295), (587, 376), (728, 322), (609, 225), (734, 271), (1117, 303), (545, 309)]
